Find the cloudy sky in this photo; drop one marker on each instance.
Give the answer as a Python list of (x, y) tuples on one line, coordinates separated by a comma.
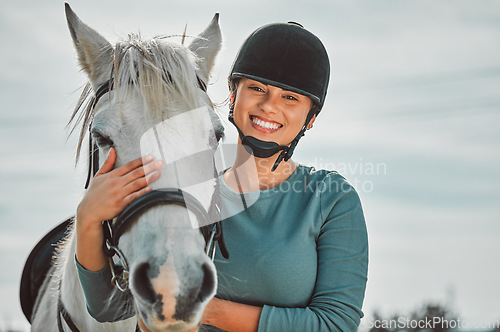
[(411, 119)]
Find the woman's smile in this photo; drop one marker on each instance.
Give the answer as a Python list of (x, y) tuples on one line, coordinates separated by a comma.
[(264, 125)]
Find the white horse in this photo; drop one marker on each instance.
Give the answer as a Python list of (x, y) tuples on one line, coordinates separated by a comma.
[(156, 87)]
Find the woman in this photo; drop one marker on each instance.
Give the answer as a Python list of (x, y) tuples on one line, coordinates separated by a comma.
[(299, 251)]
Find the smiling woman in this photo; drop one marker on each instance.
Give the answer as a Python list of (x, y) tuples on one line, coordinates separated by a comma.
[(299, 252)]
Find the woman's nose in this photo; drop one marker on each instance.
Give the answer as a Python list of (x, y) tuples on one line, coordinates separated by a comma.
[(269, 104)]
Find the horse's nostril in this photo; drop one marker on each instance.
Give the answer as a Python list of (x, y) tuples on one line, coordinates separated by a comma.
[(187, 303), (208, 283), (142, 283)]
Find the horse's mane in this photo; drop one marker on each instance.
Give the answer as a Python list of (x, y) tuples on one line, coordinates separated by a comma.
[(163, 73)]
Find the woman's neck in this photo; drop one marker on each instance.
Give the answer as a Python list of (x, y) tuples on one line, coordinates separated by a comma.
[(252, 174)]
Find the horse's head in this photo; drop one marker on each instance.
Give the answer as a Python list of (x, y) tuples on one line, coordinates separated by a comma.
[(157, 105)]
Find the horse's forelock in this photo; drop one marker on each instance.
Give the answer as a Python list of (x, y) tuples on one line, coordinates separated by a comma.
[(164, 73)]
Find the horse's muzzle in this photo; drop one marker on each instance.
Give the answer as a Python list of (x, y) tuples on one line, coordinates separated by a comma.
[(163, 300)]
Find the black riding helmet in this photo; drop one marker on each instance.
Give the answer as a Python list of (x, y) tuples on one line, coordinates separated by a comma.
[(287, 56)]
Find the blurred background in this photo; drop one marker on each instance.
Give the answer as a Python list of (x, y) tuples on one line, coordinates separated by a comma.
[(412, 119)]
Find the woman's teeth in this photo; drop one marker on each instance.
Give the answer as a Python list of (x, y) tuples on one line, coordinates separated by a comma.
[(265, 124)]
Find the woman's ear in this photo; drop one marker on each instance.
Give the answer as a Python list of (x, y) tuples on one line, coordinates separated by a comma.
[(311, 122)]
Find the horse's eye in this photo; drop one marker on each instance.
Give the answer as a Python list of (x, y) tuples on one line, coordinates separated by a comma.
[(102, 141)]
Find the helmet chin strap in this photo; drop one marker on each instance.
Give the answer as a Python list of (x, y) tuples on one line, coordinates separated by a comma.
[(266, 149)]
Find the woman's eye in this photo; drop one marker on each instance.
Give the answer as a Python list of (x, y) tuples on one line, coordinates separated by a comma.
[(102, 140), (256, 88)]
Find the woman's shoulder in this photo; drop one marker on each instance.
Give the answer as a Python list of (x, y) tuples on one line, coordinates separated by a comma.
[(325, 178), (329, 185), (337, 196)]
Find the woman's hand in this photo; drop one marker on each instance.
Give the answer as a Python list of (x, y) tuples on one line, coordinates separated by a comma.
[(231, 316), (108, 194)]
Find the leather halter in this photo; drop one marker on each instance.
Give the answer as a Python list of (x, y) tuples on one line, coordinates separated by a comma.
[(168, 196), (212, 232)]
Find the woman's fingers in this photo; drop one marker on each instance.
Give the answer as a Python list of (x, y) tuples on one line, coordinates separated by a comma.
[(132, 165), (143, 171), (136, 194), (119, 186), (140, 183), (153, 176), (108, 163)]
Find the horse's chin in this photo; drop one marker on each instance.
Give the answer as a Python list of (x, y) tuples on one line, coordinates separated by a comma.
[(149, 321), (159, 326)]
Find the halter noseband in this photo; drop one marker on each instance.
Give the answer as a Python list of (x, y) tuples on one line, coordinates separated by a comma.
[(168, 196)]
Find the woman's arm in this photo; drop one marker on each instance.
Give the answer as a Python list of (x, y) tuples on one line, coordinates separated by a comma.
[(342, 246), (231, 316), (108, 194)]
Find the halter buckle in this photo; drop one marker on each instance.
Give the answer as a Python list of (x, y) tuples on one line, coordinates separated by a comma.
[(210, 246), (119, 274)]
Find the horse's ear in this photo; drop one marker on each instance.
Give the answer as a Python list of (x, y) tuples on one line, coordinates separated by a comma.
[(95, 53), (206, 46)]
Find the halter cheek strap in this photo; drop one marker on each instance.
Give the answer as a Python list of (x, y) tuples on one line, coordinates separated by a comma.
[(93, 149), (104, 88)]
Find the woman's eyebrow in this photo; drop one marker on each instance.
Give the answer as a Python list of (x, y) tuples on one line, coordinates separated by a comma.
[(290, 91)]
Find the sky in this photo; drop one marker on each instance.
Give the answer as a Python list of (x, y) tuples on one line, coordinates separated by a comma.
[(411, 119)]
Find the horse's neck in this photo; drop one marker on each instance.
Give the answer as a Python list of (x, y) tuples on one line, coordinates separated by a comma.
[(70, 289), (71, 292)]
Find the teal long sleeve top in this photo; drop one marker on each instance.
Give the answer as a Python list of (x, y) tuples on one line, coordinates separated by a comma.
[(299, 250)]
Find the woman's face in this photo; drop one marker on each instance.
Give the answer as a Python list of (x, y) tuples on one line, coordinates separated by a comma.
[(269, 113)]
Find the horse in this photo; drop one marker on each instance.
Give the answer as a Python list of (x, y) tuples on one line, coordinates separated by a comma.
[(145, 97)]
